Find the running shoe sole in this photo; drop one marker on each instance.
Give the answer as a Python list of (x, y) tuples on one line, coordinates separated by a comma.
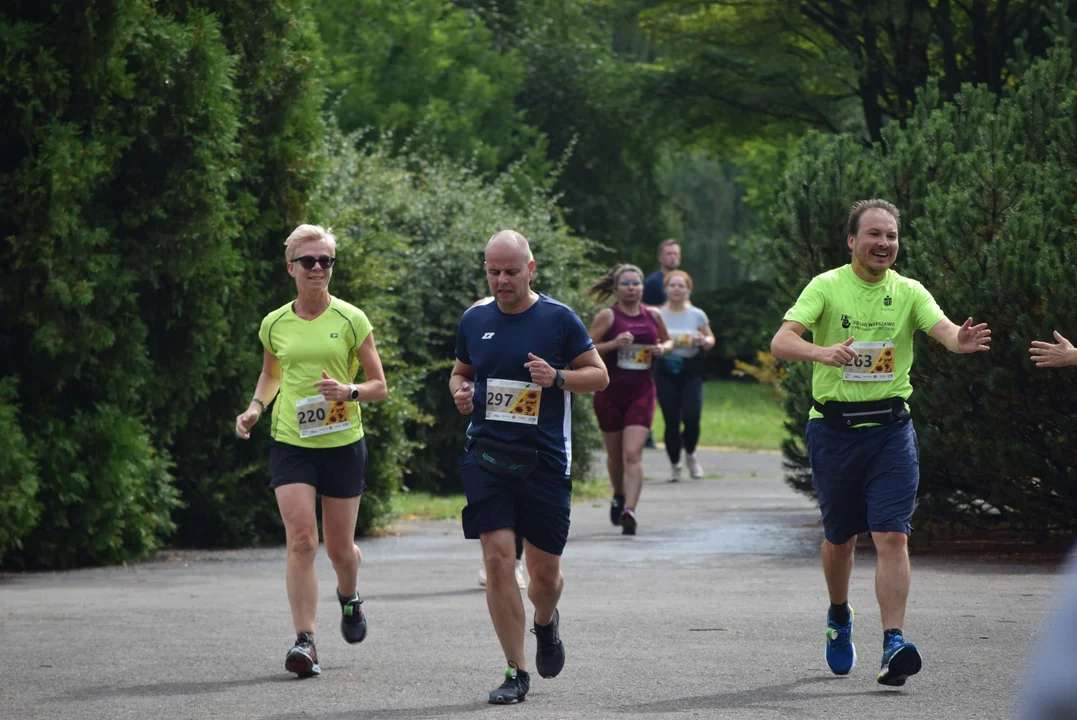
[(905, 663), (301, 665), (505, 700)]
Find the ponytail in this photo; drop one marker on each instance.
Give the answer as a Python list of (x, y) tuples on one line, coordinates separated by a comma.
[(606, 285)]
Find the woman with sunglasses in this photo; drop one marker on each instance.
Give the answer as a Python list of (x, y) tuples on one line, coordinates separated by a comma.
[(312, 348), (680, 373), (628, 335)]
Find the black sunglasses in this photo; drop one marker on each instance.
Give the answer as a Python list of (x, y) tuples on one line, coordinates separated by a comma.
[(307, 261)]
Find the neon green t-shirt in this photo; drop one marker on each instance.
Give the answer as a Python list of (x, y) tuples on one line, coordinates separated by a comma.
[(306, 347), (882, 316)]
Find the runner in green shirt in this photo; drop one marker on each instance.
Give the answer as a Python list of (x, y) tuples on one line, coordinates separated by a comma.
[(861, 444), (312, 349)]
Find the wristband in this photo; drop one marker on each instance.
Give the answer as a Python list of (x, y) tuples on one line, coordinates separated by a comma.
[(260, 404)]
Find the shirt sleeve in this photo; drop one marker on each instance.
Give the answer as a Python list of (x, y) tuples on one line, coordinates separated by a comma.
[(362, 327), (926, 312), (703, 319), (577, 340), (809, 306), (461, 342), (263, 334)]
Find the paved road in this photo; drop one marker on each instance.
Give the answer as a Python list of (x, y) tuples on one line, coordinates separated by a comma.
[(716, 609)]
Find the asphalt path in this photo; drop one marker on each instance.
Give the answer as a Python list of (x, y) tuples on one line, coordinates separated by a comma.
[(715, 609)]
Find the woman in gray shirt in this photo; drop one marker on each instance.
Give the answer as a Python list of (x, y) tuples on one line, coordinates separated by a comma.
[(680, 374)]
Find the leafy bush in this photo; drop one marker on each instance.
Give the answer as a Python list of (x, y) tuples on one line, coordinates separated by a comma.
[(19, 507), (987, 198), (153, 156)]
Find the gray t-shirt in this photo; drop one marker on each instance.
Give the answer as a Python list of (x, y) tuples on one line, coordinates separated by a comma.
[(682, 328)]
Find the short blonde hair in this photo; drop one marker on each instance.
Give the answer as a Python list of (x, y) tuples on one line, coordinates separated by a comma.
[(305, 234)]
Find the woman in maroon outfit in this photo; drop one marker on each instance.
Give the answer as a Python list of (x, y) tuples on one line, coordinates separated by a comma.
[(628, 336)]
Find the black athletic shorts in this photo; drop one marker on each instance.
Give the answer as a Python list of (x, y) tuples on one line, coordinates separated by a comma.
[(338, 472), (538, 507)]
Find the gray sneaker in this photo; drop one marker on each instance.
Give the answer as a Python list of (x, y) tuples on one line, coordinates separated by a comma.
[(694, 468), (513, 690)]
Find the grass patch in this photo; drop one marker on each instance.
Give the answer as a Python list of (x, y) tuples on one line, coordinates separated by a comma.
[(429, 506), (417, 505), (736, 414)]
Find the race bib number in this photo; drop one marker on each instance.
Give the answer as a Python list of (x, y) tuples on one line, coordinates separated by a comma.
[(318, 416), (874, 362), (682, 339), (513, 401), (633, 357)]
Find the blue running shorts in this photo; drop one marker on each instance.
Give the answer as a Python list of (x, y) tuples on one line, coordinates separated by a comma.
[(866, 478)]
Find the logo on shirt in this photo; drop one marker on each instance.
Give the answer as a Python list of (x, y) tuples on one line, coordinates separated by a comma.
[(888, 301), (845, 321), (487, 336), (333, 335)]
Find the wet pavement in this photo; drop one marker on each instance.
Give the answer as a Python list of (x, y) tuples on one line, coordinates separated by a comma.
[(715, 609)]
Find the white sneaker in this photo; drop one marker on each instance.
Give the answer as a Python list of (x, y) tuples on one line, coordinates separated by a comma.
[(482, 576), (675, 473), (521, 575), (694, 468)]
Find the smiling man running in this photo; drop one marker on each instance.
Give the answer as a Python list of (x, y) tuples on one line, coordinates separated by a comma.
[(861, 444)]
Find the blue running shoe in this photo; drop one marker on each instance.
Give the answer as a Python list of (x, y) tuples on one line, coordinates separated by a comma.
[(840, 651), (900, 660)]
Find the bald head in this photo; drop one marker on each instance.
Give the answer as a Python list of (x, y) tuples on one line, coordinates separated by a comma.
[(509, 269), (509, 240)]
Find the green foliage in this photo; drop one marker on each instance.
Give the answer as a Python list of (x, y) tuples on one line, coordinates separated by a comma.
[(589, 102), (110, 495), (742, 318), (706, 212), (19, 507), (118, 127), (734, 70), (154, 156), (987, 198), (428, 72), (419, 224)]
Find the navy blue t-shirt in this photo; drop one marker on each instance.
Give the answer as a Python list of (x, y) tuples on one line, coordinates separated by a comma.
[(496, 346), (654, 289)]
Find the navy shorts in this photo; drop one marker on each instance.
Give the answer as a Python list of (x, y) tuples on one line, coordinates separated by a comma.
[(538, 507), (338, 472), (866, 478)]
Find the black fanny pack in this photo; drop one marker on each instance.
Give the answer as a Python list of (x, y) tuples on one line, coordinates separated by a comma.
[(503, 460), (847, 414)]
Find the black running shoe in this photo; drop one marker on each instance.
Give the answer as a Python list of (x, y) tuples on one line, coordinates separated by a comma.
[(617, 506), (513, 690), (352, 619), (550, 656), (303, 658), (628, 522)]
